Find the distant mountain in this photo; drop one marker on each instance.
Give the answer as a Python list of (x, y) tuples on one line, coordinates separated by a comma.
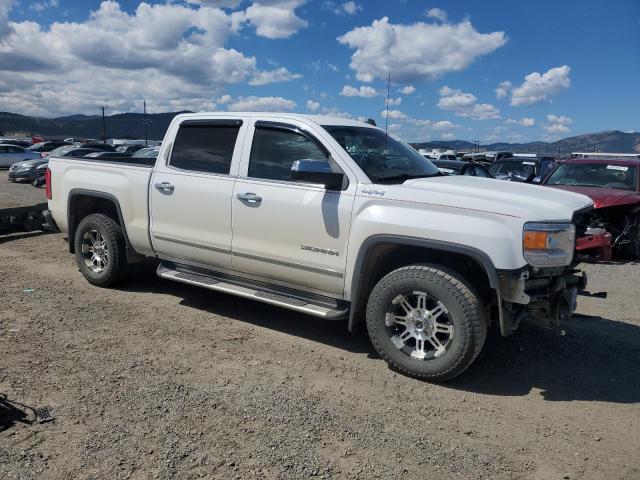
[(125, 125), (613, 141), (131, 125)]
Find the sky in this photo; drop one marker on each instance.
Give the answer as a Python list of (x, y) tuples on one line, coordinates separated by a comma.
[(486, 70)]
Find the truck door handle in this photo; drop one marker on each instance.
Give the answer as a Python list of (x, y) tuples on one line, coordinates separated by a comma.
[(164, 187), (249, 197)]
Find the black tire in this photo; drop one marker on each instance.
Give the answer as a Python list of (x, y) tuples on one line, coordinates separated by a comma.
[(116, 266), (632, 249), (463, 311)]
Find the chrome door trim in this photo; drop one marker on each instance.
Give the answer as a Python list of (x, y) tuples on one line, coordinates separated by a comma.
[(192, 244), (307, 268)]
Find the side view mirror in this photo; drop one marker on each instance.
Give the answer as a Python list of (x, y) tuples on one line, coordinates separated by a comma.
[(537, 180), (315, 171)]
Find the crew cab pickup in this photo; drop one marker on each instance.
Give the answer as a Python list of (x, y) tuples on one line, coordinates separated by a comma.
[(332, 218)]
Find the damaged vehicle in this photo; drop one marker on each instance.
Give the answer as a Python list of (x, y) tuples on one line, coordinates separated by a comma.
[(613, 225), (522, 169)]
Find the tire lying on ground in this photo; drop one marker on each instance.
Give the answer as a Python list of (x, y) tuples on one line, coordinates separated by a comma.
[(101, 250), (426, 321)]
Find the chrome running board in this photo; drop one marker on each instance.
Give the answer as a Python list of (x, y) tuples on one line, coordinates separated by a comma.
[(322, 307)]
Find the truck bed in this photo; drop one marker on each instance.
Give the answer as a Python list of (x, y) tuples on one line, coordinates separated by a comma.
[(131, 161), (125, 182)]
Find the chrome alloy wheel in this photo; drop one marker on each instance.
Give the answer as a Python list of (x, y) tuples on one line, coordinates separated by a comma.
[(419, 325), (95, 251)]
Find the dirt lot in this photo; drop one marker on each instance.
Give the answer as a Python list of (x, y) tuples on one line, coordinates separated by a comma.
[(161, 380)]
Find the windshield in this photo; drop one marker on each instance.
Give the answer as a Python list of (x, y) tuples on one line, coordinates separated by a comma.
[(624, 177), (61, 150), (149, 152), (36, 147), (521, 168), (383, 158)]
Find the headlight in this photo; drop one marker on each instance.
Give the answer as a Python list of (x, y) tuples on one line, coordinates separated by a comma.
[(549, 244)]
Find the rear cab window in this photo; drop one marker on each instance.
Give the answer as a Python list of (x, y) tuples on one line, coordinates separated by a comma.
[(205, 146)]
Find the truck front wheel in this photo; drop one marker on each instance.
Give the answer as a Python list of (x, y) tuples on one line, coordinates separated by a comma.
[(426, 322), (100, 250)]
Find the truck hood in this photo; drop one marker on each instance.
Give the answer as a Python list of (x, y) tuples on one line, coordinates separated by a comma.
[(529, 202), (604, 197)]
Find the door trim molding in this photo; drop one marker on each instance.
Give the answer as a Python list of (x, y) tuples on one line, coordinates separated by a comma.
[(307, 268), (192, 244)]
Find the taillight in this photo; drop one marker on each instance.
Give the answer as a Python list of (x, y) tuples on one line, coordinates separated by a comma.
[(47, 183)]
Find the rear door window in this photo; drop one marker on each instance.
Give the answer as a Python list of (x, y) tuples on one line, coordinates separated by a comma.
[(204, 148)]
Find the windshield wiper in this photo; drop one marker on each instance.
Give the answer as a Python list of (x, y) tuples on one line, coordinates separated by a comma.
[(405, 176)]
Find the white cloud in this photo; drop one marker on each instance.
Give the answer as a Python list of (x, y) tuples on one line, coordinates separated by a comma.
[(503, 89), (395, 114), (173, 55), (437, 14), (525, 122), (217, 3), (274, 18), (224, 99), (279, 75), (561, 119), (344, 8), (313, 106), (408, 89), (465, 105), (537, 88), (336, 112), (364, 91), (351, 8), (447, 136), (556, 128), (5, 27), (393, 101), (417, 51), (262, 104), (444, 125), (558, 124), (45, 4)]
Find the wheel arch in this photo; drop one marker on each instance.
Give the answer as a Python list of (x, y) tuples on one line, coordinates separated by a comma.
[(394, 251), (95, 202)]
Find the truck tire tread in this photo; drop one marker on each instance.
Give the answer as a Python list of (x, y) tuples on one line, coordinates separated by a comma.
[(469, 301)]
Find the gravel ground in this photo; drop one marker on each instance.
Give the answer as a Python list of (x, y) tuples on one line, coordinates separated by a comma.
[(161, 380)]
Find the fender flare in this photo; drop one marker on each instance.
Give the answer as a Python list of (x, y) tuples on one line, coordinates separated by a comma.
[(72, 223), (475, 254)]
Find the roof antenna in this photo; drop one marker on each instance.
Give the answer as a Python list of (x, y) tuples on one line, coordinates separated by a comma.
[(386, 120)]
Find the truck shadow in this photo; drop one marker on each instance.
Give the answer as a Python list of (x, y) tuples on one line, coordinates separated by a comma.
[(596, 359), (332, 333), (11, 413)]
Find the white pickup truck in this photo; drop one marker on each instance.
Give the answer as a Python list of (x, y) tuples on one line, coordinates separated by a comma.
[(332, 218)]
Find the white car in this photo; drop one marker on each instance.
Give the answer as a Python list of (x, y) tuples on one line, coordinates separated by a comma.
[(333, 218)]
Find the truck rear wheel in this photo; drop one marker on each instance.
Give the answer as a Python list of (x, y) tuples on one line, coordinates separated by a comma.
[(426, 322), (100, 250)]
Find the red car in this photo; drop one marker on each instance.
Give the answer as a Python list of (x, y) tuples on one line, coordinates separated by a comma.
[(614, 222)]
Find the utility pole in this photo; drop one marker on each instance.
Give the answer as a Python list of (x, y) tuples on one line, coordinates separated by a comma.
[(104, 127), (146, 138)]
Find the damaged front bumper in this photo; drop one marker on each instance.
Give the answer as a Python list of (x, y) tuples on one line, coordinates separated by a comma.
[(544, 295)]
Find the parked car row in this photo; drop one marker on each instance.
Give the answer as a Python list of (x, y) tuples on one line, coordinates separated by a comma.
[(29, 165)]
